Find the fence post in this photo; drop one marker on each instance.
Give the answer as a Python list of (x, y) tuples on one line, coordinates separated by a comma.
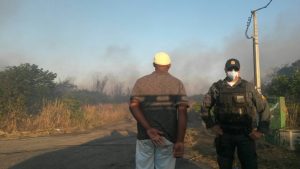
[(282, 111)]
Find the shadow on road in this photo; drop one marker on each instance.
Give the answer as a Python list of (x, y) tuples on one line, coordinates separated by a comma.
[(112, 152)]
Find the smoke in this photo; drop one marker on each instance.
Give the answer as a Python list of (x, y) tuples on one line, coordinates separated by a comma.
[(121, 63), (198, 66), (13, 59), (118, 64), (195, 63), (281, 49), (8, 9), (277, 48)]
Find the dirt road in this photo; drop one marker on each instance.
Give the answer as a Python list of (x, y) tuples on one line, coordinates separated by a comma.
[(109, 147)]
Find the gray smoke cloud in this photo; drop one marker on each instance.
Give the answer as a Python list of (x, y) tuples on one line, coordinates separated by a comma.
[(12, 59), (196, 64), (277, 48), (199, 68), (117, 64), (8, 9)]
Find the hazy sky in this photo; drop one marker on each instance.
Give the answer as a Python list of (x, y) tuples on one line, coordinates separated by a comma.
[(83, 39)]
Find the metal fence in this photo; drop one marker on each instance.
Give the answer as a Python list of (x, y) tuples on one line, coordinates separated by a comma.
[(284, 123)]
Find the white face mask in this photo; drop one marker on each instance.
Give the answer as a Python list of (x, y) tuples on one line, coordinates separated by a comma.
[(232, 75)]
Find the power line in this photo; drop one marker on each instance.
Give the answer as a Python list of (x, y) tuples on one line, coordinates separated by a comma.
[(250, 19), (263, 6)]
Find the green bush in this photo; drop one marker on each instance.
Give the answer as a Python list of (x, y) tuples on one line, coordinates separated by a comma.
[(285, 82), (74, 106), (24, 87)]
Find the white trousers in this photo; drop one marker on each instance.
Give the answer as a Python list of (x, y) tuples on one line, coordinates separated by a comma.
[(149, 156)]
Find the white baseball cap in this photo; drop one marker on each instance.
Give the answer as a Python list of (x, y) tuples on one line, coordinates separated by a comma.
[(162, 58)]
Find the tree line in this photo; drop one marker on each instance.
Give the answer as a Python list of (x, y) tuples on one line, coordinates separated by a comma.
[(25, 88), (285, 81)]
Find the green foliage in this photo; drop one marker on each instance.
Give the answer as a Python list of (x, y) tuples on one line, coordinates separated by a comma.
[(196, 101), (94, 97), (64, 88), (75, 107), (24, 87), (87, 97), (286, 82), (196, 107)]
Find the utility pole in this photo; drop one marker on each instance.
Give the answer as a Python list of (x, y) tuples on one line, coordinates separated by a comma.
[(256, 62), (256, 58)]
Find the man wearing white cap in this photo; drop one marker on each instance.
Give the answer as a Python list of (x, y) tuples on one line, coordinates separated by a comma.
[(159, 104)]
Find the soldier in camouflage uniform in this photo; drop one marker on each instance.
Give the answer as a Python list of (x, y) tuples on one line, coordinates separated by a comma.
[(239, 116)]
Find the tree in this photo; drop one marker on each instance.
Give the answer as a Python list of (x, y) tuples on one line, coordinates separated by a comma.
[(24, 87), (64, 88), (100, 84), (285, 82)]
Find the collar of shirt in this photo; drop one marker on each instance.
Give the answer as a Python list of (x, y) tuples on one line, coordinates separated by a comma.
[(160, 73)]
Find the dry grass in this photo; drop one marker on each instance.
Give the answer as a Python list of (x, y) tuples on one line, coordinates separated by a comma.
[(54, 115), (200, 148), (104, 113), (293, 116), (57, 117), (199, 142)]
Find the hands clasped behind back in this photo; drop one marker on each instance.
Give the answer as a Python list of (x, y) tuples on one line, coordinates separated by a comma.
[(156, 136), (255, 135)]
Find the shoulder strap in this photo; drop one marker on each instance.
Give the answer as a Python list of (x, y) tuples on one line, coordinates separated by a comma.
[(217, 87), (219, 84)]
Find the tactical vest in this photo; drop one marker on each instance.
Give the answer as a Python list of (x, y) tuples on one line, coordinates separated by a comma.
[(234, 108)]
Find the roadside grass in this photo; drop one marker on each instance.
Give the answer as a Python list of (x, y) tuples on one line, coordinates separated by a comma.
[(200, 148), (62, 117)]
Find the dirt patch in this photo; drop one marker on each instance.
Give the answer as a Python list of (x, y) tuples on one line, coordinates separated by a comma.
[(274, 157)]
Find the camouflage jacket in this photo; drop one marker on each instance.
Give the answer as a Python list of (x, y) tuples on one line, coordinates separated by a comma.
[(262, 116)]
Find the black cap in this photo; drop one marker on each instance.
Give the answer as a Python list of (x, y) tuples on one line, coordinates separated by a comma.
[(232, 63)]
